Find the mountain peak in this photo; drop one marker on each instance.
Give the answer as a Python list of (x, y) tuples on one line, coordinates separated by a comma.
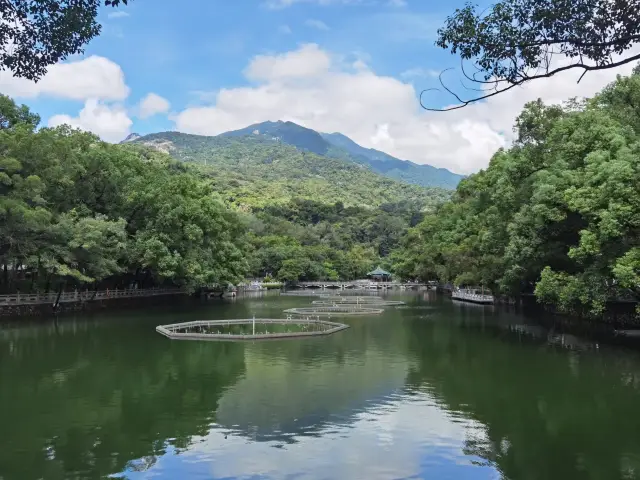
[(287, 132), (131, 137)]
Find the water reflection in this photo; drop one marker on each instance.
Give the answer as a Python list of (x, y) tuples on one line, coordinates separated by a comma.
[(436, 390)]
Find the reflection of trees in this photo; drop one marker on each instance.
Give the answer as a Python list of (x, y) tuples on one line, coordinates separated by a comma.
[(87, 401), (548, 412), (297, 388)]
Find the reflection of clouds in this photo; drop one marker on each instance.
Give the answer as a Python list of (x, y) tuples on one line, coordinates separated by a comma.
[(281, 399), (407, 437)]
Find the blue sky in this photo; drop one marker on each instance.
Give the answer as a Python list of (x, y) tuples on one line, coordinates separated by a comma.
[(178, 49), (353, 66)]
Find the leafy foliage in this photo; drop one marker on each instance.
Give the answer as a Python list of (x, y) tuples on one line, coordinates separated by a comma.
[(558, 214), (338, 146), (74, 209), (255, 171), (35, 34), (516, 41)]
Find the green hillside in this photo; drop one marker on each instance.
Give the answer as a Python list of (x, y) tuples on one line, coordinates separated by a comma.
[(307, 216), (336, 145), (255, 171)]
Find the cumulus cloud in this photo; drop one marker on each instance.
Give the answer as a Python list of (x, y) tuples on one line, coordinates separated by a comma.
[(93, 77), (110, 122), (277, 4), (314, 89), (151, 105), (118, 14), (306, 62), (317, 24)]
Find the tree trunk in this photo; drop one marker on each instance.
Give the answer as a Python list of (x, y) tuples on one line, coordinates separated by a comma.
[(146, 278), (47, 285), (95, 291), (57, 302)]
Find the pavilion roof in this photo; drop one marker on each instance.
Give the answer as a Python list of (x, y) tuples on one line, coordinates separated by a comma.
[(378, 271)]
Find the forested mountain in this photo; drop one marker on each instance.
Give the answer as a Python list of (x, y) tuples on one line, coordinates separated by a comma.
[(76, 212), (307, 216), (336, 145), (392, 167), (256, 171)]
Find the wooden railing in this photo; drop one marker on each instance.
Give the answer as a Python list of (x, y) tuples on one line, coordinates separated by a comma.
[(84, 295)]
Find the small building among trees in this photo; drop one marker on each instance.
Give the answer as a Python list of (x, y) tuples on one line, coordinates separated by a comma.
[(379, 275)]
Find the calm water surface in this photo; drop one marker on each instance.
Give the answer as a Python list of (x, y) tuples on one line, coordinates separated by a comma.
[(433, 390)]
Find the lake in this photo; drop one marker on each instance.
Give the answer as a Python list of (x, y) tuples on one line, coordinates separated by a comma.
[(433, 390)]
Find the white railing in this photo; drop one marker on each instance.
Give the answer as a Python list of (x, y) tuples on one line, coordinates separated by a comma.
[(84, 295), (472, 297), (364, 283)]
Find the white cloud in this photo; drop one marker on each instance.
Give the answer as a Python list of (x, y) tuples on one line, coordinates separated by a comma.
[(151, 105), (118, 14), (317, 24), (111, 123), (308, 61), (284, 29), (93, 77), (397, 3), (419, 72), (277, 4), (311, 88)]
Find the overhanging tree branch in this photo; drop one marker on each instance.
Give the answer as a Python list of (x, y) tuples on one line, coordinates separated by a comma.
[(464, 103), (516, 41)]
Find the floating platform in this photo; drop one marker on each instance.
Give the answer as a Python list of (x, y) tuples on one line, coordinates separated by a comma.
[(472, 297), (249, 329), (365, 301), (305, 293), (335, 310)]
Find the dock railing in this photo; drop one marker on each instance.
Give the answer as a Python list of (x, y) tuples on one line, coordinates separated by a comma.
[(84, 295), (473, 297)]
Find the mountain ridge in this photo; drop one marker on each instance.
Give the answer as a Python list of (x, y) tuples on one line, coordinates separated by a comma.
[(338, 145), (255, 171)]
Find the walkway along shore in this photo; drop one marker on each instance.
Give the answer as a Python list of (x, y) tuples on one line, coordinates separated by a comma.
[(20, 304)]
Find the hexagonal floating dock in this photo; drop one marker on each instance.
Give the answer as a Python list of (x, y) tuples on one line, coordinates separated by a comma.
[(334, 310), (364, 301), (249, 329)]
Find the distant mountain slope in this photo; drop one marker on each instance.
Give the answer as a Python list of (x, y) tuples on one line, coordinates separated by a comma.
[(393, 167), (336, 145), (254, 170)]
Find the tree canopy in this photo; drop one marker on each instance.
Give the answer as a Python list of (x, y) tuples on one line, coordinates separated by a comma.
[(76, 212), (516, 41), (557, 214), (35, 34)]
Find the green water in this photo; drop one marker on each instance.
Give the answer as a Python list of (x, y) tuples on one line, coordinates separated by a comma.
[(433, 390)]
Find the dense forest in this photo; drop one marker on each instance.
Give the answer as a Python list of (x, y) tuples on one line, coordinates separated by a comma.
[(80, 213), (556, 215)]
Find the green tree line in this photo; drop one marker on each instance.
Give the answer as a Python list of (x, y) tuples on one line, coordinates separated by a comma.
[(76, 212), (557, 214)]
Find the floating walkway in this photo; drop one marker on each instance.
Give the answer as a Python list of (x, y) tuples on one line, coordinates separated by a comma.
[(249, 329), (335, 310), (466, 296)]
